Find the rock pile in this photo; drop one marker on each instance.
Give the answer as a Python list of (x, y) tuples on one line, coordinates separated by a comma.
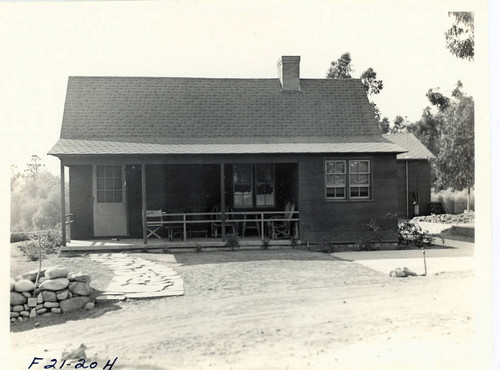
[(464, 218), (402, 272), (57, 291)]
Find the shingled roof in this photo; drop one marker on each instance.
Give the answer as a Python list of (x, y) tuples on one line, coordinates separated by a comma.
[(146, 115), (415, 148)]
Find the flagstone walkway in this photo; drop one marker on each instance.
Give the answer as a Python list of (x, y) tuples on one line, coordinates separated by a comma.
[(137, 278)]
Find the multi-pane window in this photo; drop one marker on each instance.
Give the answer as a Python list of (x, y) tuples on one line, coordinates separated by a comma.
[(264, 184), (109, 184), (243, 189), (359, 179), (347, 179), (250, 179), (335, 179)]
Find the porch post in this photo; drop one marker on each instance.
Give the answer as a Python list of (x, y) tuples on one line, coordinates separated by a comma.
[(143, 190), (63, 207), (222, 201)]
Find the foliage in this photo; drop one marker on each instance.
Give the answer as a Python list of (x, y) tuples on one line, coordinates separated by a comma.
[(369, 80), (232, 241), (20, 237), (460, 36), (399, 125), (428, 129), (46, 242), (411, 235), (265, 244), (35, 198), (384, 125), (438, 99), (455, 161), (340, 68)]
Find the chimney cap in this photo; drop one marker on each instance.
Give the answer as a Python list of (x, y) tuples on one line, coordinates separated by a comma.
[(289, 58)]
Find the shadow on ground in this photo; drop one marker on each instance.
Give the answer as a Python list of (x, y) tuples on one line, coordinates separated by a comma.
[(217, 257)]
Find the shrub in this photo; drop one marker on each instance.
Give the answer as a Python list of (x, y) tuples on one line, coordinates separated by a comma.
[(411, 235), (232, 241), (198, 248), (48, 241), (265, 244)]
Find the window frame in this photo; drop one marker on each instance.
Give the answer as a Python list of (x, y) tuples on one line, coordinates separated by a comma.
[(253, 183), (114, 190), (325, 175), (347, 187), (359, 186)]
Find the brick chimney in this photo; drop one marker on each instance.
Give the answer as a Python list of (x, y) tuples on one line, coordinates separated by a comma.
[(289, 73)]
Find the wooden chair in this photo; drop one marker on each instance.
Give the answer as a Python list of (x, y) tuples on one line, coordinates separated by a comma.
[(282, 229), (217, 220), (154, 222)]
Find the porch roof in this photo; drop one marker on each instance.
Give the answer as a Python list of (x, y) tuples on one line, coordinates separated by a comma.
[(227, 146)]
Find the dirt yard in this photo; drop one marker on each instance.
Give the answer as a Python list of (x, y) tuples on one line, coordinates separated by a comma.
[(274, 310)]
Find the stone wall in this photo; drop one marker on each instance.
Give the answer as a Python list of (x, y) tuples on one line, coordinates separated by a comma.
[(57, 291)]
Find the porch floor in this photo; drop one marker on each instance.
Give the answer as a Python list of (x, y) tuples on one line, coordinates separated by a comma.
[(110, 245)]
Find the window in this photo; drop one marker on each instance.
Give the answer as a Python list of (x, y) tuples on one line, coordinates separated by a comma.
[(347, 182), (242, 185), (253, 178), (264, 184), (335, 179), (359, 179), (109, 184)]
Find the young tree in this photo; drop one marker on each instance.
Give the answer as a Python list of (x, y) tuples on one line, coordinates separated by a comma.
[(428, 129), (369, 79), (384, 125), (455, 161), (460, 37)]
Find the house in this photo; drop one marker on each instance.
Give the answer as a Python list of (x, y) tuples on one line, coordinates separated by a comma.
[(414, 176), (250, 146)]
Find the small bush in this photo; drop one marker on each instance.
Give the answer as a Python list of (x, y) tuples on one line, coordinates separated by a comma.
[(198, 248), (48, 241), (265, 244), (411, 235), (232, 241)]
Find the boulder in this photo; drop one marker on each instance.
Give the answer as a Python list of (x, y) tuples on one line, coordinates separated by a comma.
[(55, 310), (56, 273), (31, 275), (17, 298), (51, 304), (12, 284), (39, 298), (41, 280), (79, 288), (55, 284), (74, 304), (25, 313), (24, 285), (38, 306), (18, 308), (80, 277), (41, 310), (32, 302), (49, 296), (14, 314), (63, 294), (33, 313), (26, 294), (90, 306), (398, 272)]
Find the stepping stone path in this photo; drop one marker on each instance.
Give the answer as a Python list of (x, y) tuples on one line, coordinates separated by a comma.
[(137, 278)]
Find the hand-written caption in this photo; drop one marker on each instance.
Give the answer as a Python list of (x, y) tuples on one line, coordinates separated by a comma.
[(74, 364)]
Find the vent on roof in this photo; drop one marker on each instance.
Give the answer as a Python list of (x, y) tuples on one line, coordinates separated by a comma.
[(289, 73)]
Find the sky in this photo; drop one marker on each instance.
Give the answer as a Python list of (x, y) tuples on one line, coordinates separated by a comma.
[(41, 44)]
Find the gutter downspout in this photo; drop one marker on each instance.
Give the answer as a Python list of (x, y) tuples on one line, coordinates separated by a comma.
[(407, 198)]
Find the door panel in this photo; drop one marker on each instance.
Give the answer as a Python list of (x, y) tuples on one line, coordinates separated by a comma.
[(110, 216)]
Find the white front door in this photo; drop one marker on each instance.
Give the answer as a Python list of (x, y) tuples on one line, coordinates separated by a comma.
[(110, 216)]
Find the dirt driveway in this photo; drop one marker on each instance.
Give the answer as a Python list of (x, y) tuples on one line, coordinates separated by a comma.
[(275, 310)]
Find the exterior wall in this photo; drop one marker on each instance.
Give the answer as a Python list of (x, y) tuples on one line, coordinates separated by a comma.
[(81, 202), (345, 220), (419, 176)]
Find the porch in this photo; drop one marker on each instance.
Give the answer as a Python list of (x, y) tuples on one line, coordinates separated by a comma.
[(162, 245)]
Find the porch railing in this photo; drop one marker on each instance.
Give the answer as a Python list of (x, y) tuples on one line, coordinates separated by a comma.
[(262, 217)]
